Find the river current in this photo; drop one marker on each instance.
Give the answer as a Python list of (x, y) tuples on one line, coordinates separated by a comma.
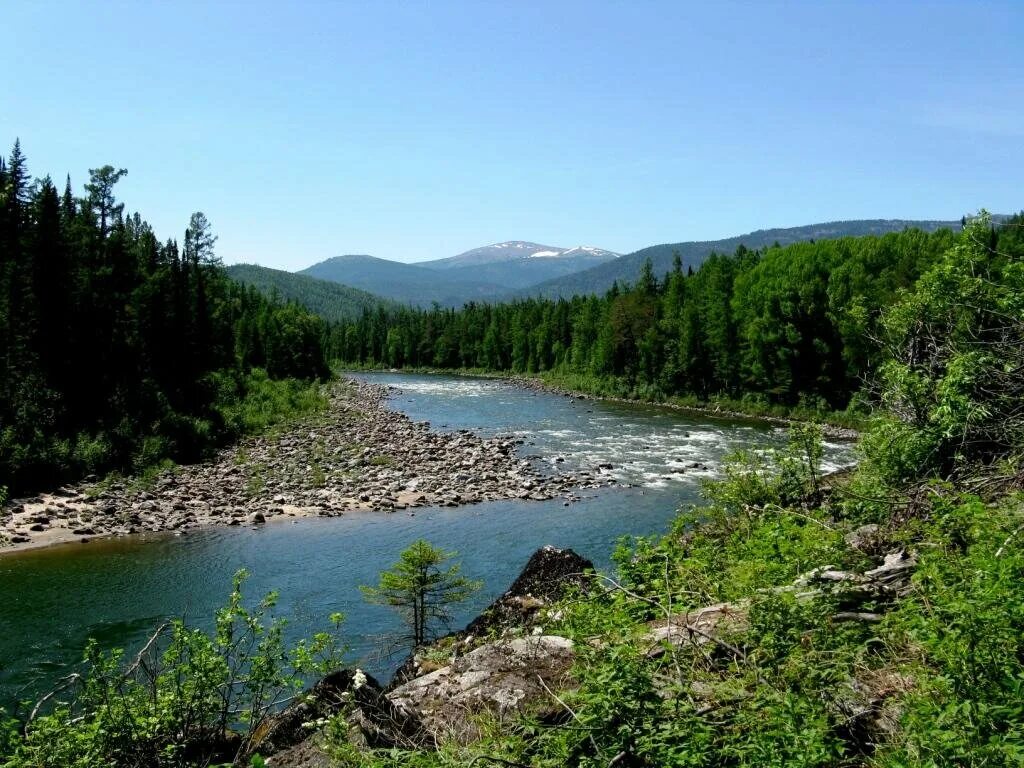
[(118, 590)]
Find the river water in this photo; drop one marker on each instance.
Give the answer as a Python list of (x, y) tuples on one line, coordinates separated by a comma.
[(53, 600)]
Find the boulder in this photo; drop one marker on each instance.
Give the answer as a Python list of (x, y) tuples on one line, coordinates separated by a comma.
[(375, 721), (548, 575), (501, 677)]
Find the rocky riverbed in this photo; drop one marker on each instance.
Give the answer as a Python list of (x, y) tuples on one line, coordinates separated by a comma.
[(359, 455)]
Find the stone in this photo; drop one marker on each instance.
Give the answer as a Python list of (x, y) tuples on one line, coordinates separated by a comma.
[(501, 677), (274, 472), (546, 577)]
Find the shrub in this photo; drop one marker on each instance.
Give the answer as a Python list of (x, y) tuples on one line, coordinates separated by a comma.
[(190, 697)]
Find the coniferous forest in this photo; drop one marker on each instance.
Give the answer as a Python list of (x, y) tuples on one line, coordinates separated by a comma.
[(119, 349), (461, 385), (789, 326)]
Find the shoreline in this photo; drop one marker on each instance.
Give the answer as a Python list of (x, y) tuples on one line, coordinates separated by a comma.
[(359, 456), (832, 431)]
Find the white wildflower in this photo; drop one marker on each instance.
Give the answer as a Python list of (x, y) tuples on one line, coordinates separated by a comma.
[(358, 679)]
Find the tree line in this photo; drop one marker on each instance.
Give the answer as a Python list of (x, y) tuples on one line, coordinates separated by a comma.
[(794, 325), (118, 349)]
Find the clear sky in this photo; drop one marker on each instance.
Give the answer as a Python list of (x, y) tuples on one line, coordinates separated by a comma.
[(418, 130)]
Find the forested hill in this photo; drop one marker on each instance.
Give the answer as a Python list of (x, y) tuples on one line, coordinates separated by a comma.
[(331, 301), (482, 274), (406, 283), (787, 325), (626, 269), (119, 350)]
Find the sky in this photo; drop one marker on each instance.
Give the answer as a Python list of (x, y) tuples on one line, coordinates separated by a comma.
[(418, 130)]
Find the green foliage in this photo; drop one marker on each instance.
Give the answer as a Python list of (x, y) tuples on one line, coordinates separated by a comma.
[(331, 301), (787, 684), (693, 254), (759, 478), (951, 382), (769, 332), (254, 403), (422, 590), (114, 347), (189, 698)]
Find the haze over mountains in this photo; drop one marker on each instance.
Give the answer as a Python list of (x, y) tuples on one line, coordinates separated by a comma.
[(520, 269), (482, 274)]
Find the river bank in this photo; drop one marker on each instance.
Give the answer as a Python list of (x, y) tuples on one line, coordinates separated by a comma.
[(730, 409), (360, 456)]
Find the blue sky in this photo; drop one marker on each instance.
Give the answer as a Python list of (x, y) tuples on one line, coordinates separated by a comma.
[(419, 130)]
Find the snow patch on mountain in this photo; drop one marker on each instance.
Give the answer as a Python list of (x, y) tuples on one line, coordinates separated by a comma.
[(589, 250)]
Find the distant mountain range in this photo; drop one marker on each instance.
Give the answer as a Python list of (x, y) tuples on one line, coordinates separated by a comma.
[(518, 269), (482, 274), (332, 301), (600, 278), (407, 283)]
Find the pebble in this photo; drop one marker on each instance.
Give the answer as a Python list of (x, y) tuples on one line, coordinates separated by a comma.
[(358, 455)]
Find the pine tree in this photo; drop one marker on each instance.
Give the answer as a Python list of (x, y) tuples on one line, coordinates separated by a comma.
[(422, 590)]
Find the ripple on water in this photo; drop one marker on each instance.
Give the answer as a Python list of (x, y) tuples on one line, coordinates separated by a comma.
[(53, 601)]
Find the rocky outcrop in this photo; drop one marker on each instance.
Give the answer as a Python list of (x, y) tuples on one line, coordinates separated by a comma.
[(549, 574), (514, 673), (524, 669), (359, 455), (502, 677)]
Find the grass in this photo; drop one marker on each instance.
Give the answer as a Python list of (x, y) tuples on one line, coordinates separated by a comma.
[(935, 680), (262, 403)]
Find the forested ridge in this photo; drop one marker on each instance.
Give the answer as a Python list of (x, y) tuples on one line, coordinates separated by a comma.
[(331, 301), (625, 269), (872, 619), (117, 349), (793, 326)]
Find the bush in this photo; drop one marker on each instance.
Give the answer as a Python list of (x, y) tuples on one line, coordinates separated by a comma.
[(256, 402), (960, 634), (951, 382), (190, 697)]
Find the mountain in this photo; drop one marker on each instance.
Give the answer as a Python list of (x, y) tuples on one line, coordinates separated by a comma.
[(482, 274), (625, 269), (332, 301), (519, 268), (407, 283), (518, 264), (519, 251)]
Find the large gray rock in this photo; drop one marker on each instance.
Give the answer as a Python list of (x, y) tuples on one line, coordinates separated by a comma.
[(502, 677), (548, 576)]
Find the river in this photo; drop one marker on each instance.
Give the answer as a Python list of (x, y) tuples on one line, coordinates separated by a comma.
[(117, 590)]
